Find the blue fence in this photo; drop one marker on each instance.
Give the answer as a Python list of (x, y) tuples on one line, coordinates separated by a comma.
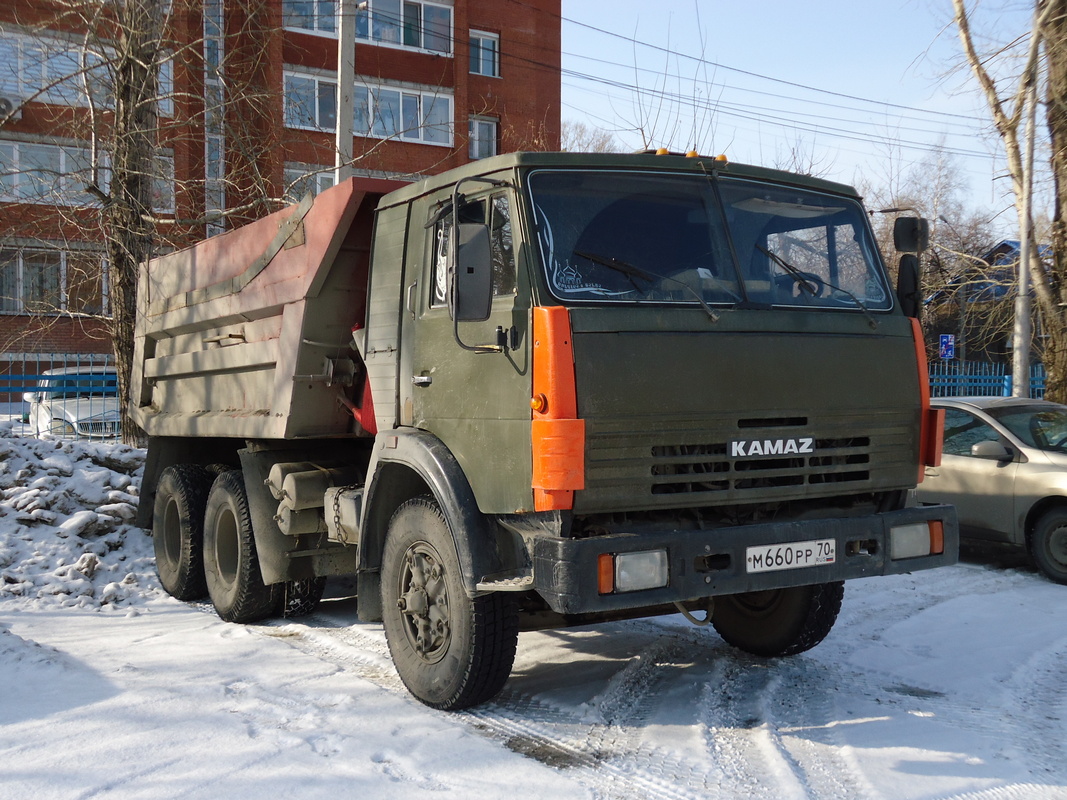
[(74, 395), (970, 378)]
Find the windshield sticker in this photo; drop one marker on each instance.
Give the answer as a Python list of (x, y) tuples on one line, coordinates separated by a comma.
[(565, 278)]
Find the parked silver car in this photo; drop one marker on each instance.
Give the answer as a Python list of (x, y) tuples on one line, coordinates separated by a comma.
[(75, 401), (1004, 467)]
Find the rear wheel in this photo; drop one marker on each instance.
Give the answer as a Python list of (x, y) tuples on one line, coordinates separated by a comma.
[(778, 622), (450, 650), (1048, 545), (178, 529), (231, 565)]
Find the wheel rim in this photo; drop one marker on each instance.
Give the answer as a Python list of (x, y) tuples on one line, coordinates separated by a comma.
[(226, 546), (171, 533), (758, 603), (422, 598), (1057, 545)]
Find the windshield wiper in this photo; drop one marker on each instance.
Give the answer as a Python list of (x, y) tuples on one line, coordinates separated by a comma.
[(630, 271), (805, 279)]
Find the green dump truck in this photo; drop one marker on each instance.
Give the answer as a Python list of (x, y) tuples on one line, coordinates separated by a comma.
[(540, 390)]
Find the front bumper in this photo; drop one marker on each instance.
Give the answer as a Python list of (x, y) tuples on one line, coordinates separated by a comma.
[(705, 563)]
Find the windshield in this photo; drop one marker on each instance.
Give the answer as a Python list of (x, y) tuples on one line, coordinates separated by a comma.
[(75, 386), (680, 238), (1042, 426)]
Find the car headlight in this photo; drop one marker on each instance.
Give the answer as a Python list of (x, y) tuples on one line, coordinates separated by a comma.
[(61, 427)]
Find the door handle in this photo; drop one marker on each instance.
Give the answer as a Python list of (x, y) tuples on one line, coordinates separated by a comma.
[(410, 299), (421, 380)]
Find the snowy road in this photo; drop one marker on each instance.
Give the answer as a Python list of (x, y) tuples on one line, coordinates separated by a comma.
[(945, 684)]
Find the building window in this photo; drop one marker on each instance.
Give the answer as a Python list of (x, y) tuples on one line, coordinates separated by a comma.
[(52, 69), (485, 54), (32, 172), (383, 112), (310, 103), (318, 16), (380, 112), (482, 132), (40, 281), (406, 23), (303, 178), (214, 111)]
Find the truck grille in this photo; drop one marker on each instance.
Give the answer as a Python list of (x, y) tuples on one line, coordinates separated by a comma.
[(708, 468), (688, 463)]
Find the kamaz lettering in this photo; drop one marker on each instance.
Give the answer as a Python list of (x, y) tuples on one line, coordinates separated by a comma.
[(756, 448)]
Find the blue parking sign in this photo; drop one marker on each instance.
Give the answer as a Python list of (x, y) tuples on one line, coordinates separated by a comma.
[(947, 348)]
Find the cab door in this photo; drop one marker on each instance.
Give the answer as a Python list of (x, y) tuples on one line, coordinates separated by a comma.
[(477, 403)]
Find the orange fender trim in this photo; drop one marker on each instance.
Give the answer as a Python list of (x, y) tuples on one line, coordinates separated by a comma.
[(558, 436)]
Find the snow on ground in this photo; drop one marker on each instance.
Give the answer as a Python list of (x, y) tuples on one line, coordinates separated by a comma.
[(944, 684)]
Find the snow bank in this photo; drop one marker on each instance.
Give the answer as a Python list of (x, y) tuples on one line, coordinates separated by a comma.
[(65, 533)]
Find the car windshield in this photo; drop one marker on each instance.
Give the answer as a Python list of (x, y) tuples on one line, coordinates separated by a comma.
[(639, 237), (1042, 426), (68, 387)]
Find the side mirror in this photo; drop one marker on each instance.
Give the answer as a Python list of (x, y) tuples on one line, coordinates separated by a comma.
[(471, 297), (911, 234), (908, 283), (994, 451), (30, 397)]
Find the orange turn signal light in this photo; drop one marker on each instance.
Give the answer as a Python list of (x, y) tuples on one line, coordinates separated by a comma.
[(539, 403), (605, 573), (937, 537)]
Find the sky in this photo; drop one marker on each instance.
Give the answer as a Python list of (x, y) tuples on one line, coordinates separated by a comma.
[(860, 90)]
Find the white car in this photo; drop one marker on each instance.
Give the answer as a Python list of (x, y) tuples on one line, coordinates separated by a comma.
[(75, 401)]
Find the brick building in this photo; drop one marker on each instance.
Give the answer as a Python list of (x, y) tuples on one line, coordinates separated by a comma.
[(247, 115)]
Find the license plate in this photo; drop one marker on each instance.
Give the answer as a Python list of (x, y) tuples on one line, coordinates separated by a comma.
[(791, 555)]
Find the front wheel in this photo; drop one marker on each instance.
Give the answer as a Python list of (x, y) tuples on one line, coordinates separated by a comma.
[(778, 622), (450, 650), (231, 565), (1048, 545)]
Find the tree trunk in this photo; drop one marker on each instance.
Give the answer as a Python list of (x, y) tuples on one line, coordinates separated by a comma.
[(128, 214), (1054, 35)]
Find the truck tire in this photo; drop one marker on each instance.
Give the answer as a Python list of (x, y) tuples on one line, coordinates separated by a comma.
[(778, 622), (451, 651), (231, 565), (299, 598), (1048, 545), (178, 529)]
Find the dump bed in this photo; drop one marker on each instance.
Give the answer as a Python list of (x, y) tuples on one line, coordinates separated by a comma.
[(248, 334)]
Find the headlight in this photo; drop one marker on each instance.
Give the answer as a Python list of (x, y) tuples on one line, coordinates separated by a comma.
[(916, 540), (61, 427), (632, 572)]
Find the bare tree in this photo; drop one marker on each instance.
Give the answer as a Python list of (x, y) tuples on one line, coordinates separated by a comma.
[(577, 137), (109, 112), (1048, 36)]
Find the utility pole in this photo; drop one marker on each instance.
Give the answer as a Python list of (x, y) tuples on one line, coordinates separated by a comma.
[(346, 75)]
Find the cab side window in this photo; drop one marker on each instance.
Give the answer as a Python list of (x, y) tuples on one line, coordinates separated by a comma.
[(963, 431), (495, 211)]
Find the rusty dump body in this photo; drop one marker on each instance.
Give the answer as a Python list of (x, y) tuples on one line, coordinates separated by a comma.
[(247, 334)]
